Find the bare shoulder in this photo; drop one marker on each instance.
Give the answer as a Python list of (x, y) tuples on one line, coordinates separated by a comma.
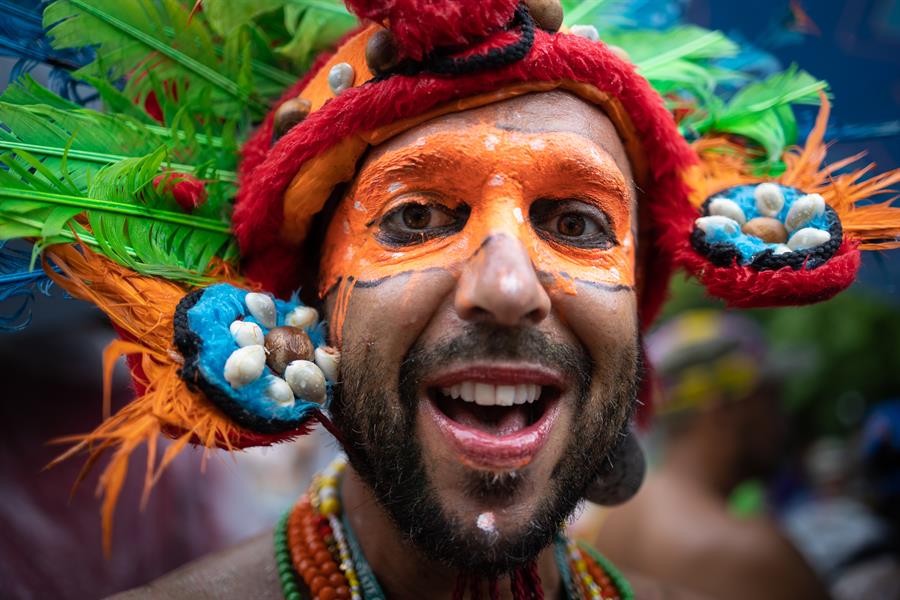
[(244, 571)]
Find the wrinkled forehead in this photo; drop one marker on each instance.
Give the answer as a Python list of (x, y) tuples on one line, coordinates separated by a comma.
[(546, 112)]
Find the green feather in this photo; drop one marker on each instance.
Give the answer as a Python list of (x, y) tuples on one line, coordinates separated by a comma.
[(142, 37), (128, 219)]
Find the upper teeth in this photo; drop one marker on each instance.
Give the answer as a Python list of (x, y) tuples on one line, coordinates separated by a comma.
[(488, 394)]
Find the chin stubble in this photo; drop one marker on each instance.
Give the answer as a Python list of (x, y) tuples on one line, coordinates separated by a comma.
[(379, 432)]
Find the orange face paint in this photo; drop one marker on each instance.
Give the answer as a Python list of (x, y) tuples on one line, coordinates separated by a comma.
[(491, 177)]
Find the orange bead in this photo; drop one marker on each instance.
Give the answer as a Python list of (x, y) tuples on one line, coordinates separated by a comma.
[(343, 592), (327, 593), (310, 574), (317, 583), (321, 557), (337, 579)]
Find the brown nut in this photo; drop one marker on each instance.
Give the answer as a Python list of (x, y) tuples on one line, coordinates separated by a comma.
[(547, 14), (382, 53), (767, 229), (288, 115), (286, 344)]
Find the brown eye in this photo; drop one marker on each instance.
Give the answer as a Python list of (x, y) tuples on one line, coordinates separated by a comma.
[(414, 223), (572, 222), (416, 216), (571, 225)]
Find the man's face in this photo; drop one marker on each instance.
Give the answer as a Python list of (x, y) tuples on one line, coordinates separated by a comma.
[(479, 277)]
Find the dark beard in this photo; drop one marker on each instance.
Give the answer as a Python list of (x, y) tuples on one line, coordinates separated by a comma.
[(380, 440)]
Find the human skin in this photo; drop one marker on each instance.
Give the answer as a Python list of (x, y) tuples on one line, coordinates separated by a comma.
[(501, 275), (497, 270)]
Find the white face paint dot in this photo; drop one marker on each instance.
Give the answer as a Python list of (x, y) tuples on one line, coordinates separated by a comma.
[(517, 213), (486, 522), (357, 205), (496, 180), (537, 144), (491, 141), (510, 284), (395, 187)]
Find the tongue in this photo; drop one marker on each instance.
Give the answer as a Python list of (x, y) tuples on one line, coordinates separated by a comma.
[(496, 420)]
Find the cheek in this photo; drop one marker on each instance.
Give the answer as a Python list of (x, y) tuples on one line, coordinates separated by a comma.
[(388, 317), (605, 322)]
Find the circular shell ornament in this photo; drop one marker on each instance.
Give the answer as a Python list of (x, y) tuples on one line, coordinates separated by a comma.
[(306, 381), (262, 308), (329, 360), (803, 210), (807, 238), (769, 199), (246, 333), (286, 344), (302, 317), (718, 224), (245, 365), (340, 78), (586, 31), (280, 392), (723, 207)]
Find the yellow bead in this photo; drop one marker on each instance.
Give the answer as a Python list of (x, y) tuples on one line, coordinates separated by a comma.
[(330, 506), (329, 481), (581, 565)]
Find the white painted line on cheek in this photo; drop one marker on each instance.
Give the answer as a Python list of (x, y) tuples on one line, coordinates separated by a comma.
[(517, 213)]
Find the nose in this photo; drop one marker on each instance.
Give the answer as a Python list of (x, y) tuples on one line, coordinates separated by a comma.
[(499, 284)]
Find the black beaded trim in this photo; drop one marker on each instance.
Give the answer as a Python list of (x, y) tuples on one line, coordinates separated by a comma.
[(725, 255), (441, 63), (189, 344)]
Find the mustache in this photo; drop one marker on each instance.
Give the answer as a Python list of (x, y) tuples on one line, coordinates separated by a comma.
[(483, 341)]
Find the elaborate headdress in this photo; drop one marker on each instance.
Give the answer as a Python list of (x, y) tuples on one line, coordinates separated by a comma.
[(131, 208)]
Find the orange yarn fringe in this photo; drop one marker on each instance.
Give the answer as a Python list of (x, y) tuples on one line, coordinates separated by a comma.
[(876, 226), (143, 308)]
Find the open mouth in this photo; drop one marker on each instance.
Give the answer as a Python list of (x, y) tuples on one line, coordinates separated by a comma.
[(495, 418)]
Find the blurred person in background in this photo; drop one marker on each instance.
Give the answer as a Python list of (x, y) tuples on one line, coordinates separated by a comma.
[(718, 423), (848, 522)]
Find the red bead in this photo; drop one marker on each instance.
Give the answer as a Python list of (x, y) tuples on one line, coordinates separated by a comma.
[(337, 579), (310, 574), (327, 593), (322, 556), (328, 568), (343, 592), (317, 583)]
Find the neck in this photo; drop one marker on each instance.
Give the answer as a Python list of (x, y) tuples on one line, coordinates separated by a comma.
[(402, 571)]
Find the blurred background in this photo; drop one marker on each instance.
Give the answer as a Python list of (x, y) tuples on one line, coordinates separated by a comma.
[(834, 489)]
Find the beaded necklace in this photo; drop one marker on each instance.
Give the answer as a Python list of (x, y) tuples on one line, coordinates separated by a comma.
[(316, 549)]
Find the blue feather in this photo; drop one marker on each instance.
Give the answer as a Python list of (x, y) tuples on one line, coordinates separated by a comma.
[(19, 281), (22, 36)]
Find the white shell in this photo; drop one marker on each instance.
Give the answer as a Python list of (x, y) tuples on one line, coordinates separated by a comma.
[(246, 333), (710, 225), (280, 392), (781, 249), (724, 207), (306, 380), (586, 31), (803, 210), (769, 199), (329, 360), (340, 78), (808, 237), (245, 365), (302, 317), (262, 307)]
